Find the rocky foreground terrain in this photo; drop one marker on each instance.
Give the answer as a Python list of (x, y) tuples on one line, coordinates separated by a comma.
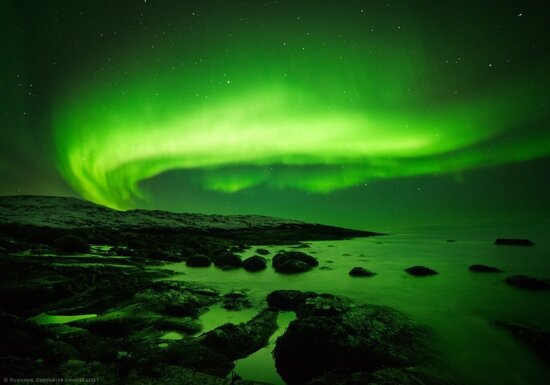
[(63, 256)]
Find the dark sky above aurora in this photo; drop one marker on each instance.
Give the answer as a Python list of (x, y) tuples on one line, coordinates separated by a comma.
[(366, 114)]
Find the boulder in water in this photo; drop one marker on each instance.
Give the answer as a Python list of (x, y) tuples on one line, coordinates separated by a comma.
[(514, 242), (484, 269), (361, 272), (526, 282), (255, 263), (420, 271)]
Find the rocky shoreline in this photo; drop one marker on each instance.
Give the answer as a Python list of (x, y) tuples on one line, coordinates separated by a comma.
[(117, 303)]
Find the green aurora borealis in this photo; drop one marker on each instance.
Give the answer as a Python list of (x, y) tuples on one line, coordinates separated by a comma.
[(281, 99)]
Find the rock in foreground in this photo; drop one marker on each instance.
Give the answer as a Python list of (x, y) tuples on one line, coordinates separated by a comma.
[(347, 339), (254, 263), (291, 262), (420, 271)]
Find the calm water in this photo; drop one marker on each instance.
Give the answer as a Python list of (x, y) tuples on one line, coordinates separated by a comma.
[(459, 305)]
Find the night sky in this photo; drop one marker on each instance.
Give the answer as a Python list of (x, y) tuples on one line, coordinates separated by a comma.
[(369, 114)]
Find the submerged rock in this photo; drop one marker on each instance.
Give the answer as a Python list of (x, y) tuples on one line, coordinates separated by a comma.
[(537, 340), (291, 262), (420, 271), (526, 282), (484, 269), (361, 272), (262, 251), (255, 263), (514, 242), (352, 339)]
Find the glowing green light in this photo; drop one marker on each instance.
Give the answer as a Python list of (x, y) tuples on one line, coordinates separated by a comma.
[(355, 123)]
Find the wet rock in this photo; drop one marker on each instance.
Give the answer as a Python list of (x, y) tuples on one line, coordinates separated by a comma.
[(228, 259), (178, 298), (361, 338), (262, 251), (307, 302), (163, 306), (537, 340), (198, 261), (288, 299), (239, 341), (292, 267), (235, 301), (322, 305), (255, 263), (186, 325), (514, 242), (361, 272), (291, 262), (484, 269), (526, 282), (420, 271), (326, 268)]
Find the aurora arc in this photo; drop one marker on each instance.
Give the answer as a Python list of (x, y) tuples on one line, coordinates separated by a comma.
[(320, 126)]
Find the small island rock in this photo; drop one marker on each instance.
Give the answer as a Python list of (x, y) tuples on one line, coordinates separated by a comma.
[(514, 242), (526, 282), (420, 271), (291, 262), (254, 263), (484, 269), (361, 272)]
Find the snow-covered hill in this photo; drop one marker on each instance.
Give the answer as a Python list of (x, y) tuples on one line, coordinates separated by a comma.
[(64, 212)]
